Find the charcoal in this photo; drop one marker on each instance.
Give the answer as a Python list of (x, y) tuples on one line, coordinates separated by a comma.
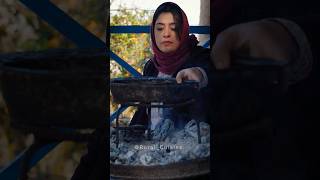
[(167, 146), (112, 131), (177, 156), (191, 128), (117, 162), (163, 129), (130, 156), (113, 155), (204, 129), (200, 150), (146, 159), (205, 139)]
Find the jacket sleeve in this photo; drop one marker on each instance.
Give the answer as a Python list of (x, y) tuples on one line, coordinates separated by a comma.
[(200, 57)]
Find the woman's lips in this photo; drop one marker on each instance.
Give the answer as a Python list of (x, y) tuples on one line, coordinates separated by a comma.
[(166, 43)]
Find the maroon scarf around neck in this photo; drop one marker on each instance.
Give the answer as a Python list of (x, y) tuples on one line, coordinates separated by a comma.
[(169, 63)]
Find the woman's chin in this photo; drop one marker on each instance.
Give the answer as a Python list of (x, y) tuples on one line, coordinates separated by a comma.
[(167, 49)]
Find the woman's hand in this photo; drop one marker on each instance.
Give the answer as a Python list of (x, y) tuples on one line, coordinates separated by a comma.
[(258, 39), (189, 74)]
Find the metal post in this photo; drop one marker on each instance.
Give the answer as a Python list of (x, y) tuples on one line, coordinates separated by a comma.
[(198, 131), (117, 129), (149, 122)]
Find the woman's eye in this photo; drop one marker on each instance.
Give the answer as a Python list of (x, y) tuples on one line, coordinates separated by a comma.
[(159, 29)]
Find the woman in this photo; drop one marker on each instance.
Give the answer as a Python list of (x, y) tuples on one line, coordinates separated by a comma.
[(175, 54)]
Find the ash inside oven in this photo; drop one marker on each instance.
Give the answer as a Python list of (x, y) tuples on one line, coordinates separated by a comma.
[(167, 146)]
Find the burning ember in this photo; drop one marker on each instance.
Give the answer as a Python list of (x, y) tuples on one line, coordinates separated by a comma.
[(168, 145)]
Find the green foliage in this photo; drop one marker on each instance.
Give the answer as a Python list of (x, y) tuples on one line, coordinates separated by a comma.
[(133, 48), (22, 30)]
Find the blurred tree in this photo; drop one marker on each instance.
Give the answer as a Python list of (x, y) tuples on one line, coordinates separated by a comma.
[(22, 30), (133, 48)]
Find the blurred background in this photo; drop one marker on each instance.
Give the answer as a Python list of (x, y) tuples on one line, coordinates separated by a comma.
[(135, 48), (22, 30)]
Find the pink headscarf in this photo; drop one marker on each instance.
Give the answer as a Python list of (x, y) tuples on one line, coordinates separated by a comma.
[(169, 63)]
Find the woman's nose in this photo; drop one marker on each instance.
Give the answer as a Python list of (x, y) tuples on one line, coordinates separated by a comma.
[(166, 32)]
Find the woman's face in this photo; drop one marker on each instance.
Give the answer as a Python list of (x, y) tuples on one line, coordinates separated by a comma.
[(164, 32)]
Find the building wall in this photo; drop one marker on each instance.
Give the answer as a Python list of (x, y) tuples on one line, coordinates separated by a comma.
[(204, 17)]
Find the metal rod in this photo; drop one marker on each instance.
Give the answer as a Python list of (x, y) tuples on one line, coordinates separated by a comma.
[(149, 123), (66, 25), (146, 29), (117, 129), (198, 131), (26, 160)]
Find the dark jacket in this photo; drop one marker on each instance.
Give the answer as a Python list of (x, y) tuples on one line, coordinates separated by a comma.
[(199, 57)]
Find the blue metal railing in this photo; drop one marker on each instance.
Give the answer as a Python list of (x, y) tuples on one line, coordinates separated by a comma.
[(146, 29), (124, 64), (143, 29)]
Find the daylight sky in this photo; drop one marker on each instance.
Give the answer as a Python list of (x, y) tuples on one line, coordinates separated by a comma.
[(191, 7)]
